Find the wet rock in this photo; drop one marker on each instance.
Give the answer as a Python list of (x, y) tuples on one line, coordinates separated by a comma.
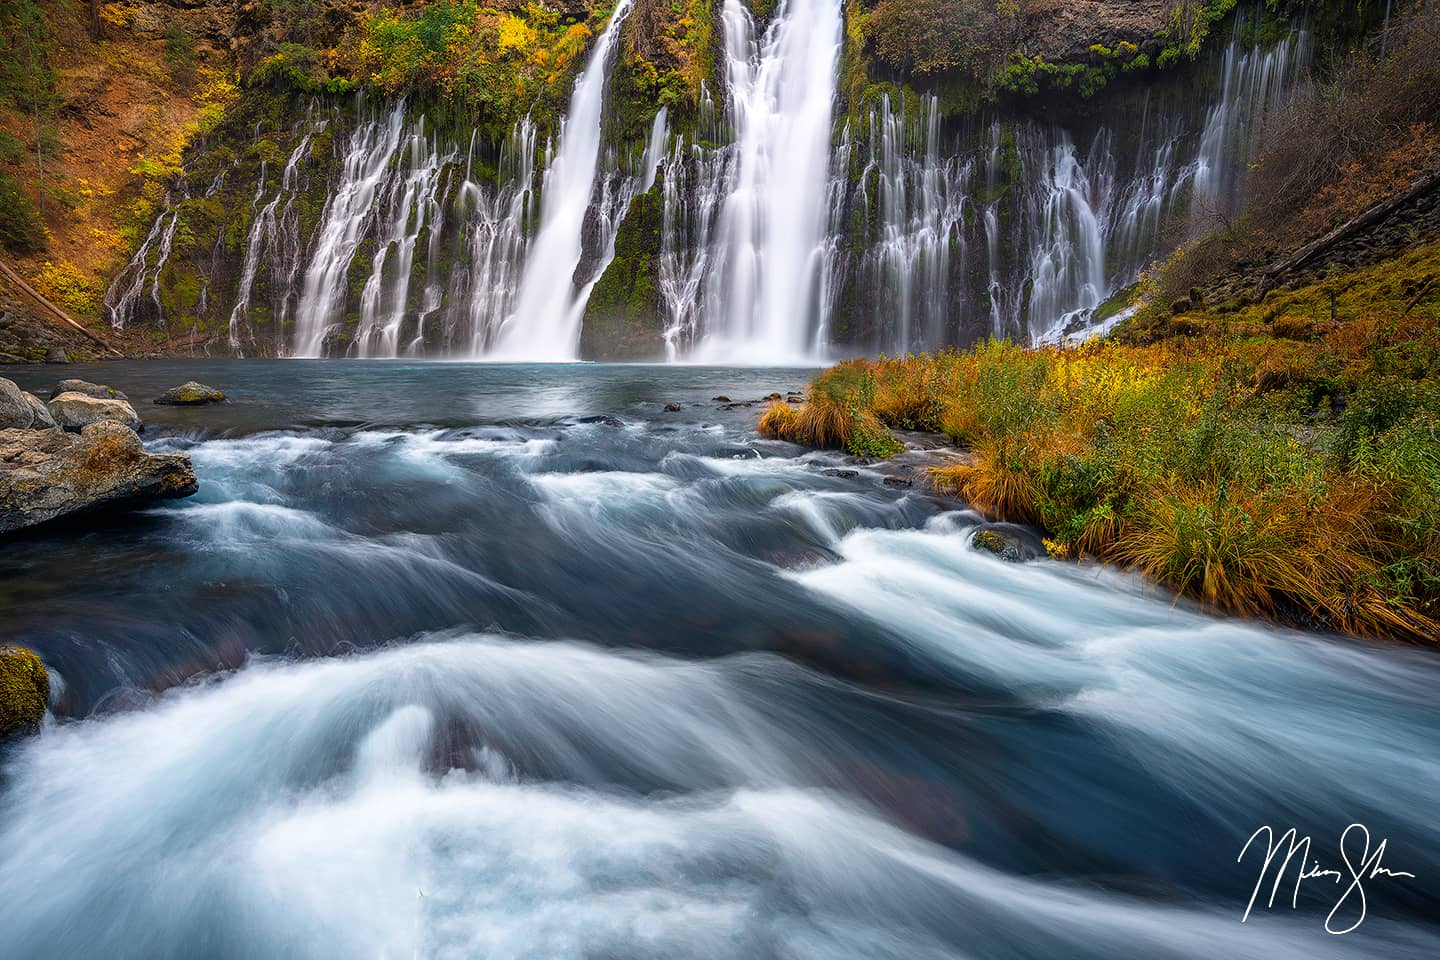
[(603, 419), (97, 390), (897, 481), (190, 394), (20, 410), (772, 396), (56, 355), (75, 410), (841, 473), (736, 406), (795, 398), (1004, 543), (672, 408), (24, 691), (45, 474), (721, 399)]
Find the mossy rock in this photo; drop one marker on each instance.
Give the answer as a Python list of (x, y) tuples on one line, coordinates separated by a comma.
[(190, 393), (24, 691)]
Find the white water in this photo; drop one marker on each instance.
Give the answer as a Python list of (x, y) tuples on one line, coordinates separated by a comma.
[(343, 225), (273, 229), (413, 201), (764, 303), (544, 323), (776, 245)]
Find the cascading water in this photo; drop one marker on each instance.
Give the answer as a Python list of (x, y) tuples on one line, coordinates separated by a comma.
[(271, 230), (921, 206), (774, 243), (764, 295), (544, 323), (493, 244), (413, 201), (343, 225)]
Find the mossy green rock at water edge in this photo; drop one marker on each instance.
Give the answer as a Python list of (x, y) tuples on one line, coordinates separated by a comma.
[(190, 393), (24, 691)]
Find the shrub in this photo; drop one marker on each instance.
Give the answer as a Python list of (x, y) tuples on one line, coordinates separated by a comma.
[(21, 229)]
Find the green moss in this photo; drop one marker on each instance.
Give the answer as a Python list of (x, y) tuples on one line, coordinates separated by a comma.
[(623, 319), (24, 691)]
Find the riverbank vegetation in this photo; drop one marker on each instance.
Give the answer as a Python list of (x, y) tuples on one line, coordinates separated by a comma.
[(1270, 461)]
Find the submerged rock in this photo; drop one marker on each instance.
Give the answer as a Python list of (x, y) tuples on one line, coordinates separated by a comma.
[(24, 691), (672, 407), (721, 399), (45, 474), (190, 393), (20, 410), (76, 385), (840, 472), (75, 410)]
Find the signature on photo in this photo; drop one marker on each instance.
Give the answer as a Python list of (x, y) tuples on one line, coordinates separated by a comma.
[(1361, 864)]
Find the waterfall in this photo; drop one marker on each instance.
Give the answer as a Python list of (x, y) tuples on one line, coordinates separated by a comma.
[(267, 232), (1252, 81), (764, 302), (779, 241), (544, 323), (413, 202), (124, 299), (343, 225), (921, 204), (493, 243)]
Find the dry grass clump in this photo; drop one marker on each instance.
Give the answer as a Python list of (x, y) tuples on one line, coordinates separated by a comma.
[(1266, 476)]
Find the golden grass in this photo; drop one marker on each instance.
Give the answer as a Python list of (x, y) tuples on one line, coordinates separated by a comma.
[(1293, 475)]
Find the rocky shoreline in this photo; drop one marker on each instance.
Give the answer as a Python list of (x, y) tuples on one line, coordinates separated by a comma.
[(78, 453)]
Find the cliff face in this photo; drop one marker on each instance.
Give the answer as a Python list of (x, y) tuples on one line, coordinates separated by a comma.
[(248, 118)]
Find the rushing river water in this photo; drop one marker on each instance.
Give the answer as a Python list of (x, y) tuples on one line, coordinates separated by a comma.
[(439, 663)]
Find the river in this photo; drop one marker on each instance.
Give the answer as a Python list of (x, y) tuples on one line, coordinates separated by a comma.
[(457, 660)]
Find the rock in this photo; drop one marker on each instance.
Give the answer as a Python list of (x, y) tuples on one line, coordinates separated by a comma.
[(1004, 544), (46, 474), (841, 473), (74, 410), (16, 411), (772, 396), (189, 394), (894, 481), (24, 691), (672, 408), (735, 406), (721, 399), (794, 398), (43, 420), (56, 355), (98, 390), (604, 419)]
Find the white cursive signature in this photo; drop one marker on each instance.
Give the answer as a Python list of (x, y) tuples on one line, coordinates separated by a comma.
[(1367, 866)]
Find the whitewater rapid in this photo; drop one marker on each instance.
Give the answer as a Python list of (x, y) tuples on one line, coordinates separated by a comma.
[(551, 685)]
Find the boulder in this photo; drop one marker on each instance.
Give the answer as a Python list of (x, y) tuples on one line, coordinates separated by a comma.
[(189, 394), (24, 691), (16, 410), (672, 407), (56, 355), (75, 410), (46, 474), (43, 420), (98, 390)]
